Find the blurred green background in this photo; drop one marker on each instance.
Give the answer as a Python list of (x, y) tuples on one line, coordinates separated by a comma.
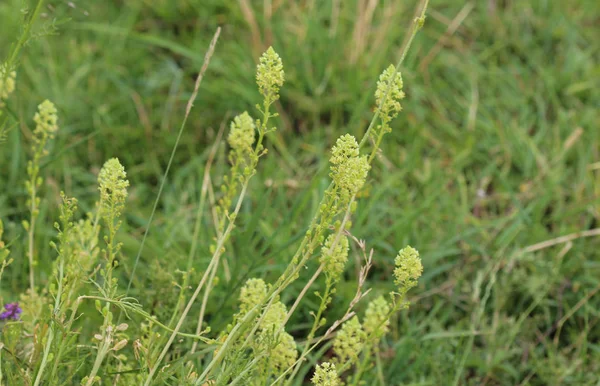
[(497, 149)]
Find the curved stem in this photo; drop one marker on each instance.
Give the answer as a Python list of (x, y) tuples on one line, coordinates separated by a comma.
[(214, 261), (415, 28), (164, 179)]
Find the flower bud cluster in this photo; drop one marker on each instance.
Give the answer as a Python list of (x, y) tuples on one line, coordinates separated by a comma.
[(350, 341), (326, 375), (376, 321), (112, 184), (270, 75), (7, 83), (408, 269), (348, 168), (388, 94), (334, 258)]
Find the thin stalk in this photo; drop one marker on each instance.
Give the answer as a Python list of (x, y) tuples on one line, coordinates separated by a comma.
[(303, 292), (189, 106), (32, 219), (144, 314), (313, 331), (203, 194), (204, 303), (111, 251), (198, 226), (50, 338), (213, 262), (62, 346), (25, 34), (361, 367), (415, 28), (102, 351), (67, 328), (233, 334)]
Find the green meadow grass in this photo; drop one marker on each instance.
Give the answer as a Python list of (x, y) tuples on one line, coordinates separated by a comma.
[(497, 150)]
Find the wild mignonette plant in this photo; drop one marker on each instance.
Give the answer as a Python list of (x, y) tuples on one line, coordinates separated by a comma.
[(51, 335)]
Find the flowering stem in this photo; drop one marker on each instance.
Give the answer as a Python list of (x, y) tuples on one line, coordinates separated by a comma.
[(232, 335), (106, 340), (302, 293), (33, 210), (415, 28), (362, 366), (316, 324), (207, 58), (25, 34), (213, 262), (50, 338)]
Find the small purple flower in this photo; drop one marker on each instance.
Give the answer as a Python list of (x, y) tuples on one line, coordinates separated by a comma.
[(13, 311)]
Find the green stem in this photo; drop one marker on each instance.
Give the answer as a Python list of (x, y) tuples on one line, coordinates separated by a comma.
[(25, 35), (33, 218), (213, 262), (179, 134), (361, 367), (415, 28), (315, 327), (50, 338)]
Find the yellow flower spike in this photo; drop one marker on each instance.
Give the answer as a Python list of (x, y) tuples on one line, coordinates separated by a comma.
[(7, 83), (335, 259), (270, 75), (326, 375), (408, 269), (241, 135), (112, 184), (376, 321), (349, 342)]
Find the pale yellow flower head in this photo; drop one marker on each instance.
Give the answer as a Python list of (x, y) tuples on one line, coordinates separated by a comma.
[(334, 259), (349, 341), (7, 83), (285, 353), (391, 105), (408, 269), (253, 292), (274, 317), (112, 184), (241, 134), (348, 168), (46, 120), (326, 375), (376, 322), (270, 75)]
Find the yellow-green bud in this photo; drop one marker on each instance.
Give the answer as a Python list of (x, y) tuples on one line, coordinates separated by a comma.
[(112, 184), (270, 75), (326, 375), (241, 134), (7, 83), (376, 322), (46, 120), (253, 292), (284, 355), (408, 269), (274, 317), (349, 341), (348, 169), (390, 107), (334, 259), (345, 148)]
